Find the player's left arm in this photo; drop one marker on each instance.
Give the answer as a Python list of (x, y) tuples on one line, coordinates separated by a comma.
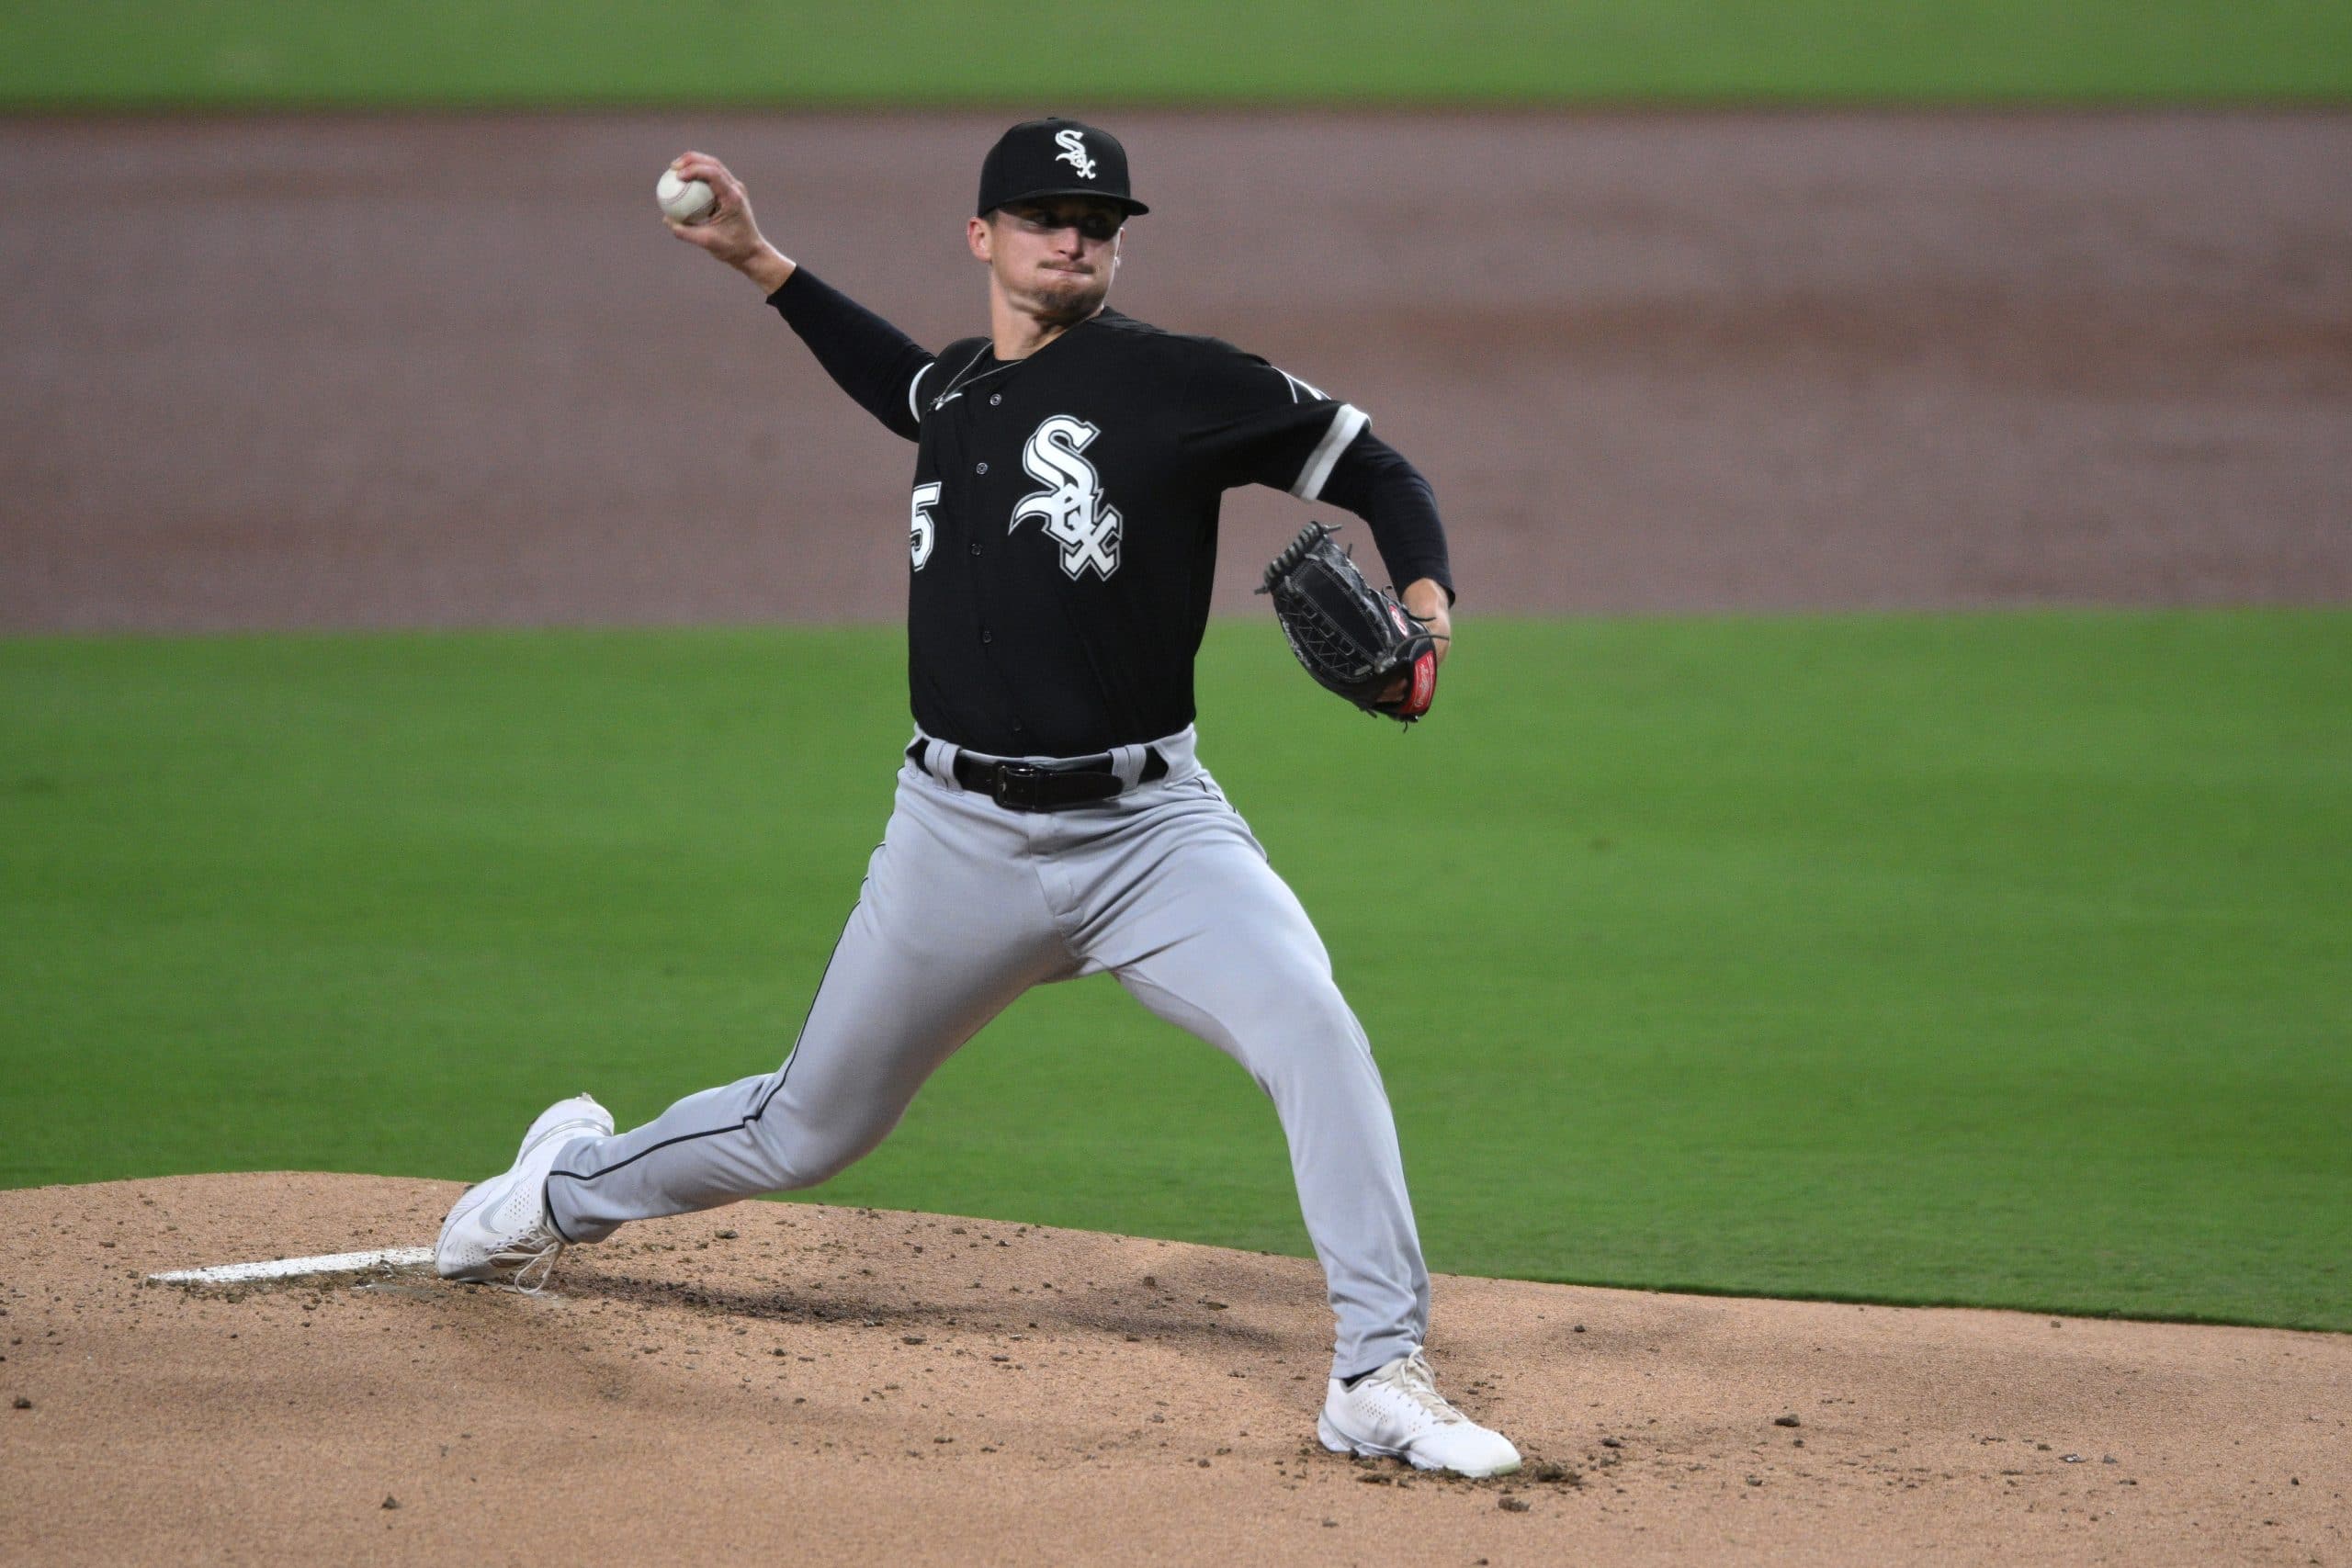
[(1376, 482), (1249, 422)]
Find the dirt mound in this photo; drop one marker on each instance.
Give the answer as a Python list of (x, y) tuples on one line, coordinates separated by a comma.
[(856, 1385)]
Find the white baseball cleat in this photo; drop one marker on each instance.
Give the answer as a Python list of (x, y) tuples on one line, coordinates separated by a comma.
[(1398, 1412), (498, 1230)]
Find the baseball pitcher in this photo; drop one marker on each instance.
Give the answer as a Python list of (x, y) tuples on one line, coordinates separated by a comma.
[(1053, 818)]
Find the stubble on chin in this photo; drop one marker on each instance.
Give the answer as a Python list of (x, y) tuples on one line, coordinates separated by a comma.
[(1071, 298)]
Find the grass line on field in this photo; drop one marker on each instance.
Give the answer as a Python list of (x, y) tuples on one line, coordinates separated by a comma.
[(1991, 959)]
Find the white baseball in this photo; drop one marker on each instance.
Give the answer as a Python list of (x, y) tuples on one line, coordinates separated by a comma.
[(683, 201)]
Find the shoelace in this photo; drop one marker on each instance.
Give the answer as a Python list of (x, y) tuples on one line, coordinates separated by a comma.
[(1420, 1385), (532, 1266)]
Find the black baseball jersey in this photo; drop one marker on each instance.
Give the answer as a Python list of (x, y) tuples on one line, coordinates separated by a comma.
[(1063, 518)]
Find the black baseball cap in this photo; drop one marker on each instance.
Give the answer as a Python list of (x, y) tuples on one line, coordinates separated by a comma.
[(1054, 157)]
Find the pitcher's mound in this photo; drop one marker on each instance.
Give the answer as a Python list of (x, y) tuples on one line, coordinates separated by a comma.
[(808, 1384)]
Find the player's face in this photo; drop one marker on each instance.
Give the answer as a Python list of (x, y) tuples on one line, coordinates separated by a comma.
[(1054, 257)]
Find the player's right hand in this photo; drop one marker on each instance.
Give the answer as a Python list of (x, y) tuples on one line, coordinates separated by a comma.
[(730, 232)]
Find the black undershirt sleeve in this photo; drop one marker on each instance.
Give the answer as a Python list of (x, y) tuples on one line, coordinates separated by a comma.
[(868, 358), (1372, 479)]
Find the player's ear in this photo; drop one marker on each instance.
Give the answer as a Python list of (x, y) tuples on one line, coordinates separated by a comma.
[(975, 235)]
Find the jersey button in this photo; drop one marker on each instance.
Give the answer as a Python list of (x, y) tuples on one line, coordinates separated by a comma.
[(975, 546), (995, 398), (987, 635), (979, 467)]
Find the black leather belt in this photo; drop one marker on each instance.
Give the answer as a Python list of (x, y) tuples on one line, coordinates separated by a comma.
[(1033, 786)]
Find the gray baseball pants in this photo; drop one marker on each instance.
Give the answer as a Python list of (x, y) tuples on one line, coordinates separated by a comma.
[(967, 904)]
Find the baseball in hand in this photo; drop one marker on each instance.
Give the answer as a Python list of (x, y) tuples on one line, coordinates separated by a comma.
[(683, 201)]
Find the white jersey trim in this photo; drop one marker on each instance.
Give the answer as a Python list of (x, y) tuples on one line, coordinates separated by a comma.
[(1346, 425), (913, 412)]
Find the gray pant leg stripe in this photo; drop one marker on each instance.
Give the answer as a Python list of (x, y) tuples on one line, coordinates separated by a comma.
[(741, 1124)]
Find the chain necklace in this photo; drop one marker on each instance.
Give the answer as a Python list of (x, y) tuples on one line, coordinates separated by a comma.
[(962, 379)]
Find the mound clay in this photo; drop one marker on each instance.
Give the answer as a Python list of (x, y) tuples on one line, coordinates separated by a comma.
[(839, 1385)]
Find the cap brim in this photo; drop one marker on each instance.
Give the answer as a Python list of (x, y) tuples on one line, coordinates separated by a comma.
[(1130, 203)]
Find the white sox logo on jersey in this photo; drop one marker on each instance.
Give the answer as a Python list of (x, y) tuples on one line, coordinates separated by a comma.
[(1069, 509), (1073, 153)]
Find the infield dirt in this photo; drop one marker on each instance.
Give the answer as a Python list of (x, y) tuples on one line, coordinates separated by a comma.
[(837, 1385), (364, 371)]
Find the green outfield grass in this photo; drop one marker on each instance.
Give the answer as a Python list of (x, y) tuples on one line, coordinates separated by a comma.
[(794, 55), (1985, 959)]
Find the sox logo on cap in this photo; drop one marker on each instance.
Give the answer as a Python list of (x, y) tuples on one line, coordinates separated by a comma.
[(1073, 153)]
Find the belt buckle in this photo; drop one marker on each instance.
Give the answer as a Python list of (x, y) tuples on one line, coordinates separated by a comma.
[(1008, 775)]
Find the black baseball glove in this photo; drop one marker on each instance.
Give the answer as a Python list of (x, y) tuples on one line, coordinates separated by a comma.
[(1352, 638)]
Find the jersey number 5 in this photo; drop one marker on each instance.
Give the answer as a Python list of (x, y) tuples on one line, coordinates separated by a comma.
[(923, 533)]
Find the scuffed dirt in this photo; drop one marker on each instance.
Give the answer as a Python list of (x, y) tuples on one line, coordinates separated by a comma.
[(848, 1385), (336, 371)]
